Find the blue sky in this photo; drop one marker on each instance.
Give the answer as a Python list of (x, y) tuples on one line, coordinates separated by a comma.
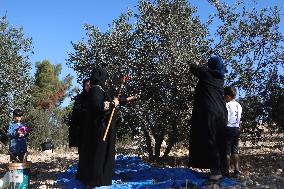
[(53, 24)]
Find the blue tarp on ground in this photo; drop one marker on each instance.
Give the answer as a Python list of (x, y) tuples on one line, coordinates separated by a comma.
[(132, 172)]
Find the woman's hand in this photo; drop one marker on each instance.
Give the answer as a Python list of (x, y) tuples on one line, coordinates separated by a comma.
[(132, 98), (116, 101)]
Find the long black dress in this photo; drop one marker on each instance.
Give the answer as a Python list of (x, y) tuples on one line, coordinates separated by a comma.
[(97, 163), (208, 122), (78, 119)]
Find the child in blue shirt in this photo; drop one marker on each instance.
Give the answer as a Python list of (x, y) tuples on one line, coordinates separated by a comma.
[(17, 134)]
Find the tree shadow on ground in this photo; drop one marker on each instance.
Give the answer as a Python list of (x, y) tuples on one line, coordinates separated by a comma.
[(263, 169), (45, 173), (262, 163)]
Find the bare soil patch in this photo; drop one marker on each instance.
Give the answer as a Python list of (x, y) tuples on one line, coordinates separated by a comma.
[(262, 164)]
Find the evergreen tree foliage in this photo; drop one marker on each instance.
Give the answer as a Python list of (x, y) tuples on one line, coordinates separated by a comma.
[(48, 91), (47, 126), (46, 119)]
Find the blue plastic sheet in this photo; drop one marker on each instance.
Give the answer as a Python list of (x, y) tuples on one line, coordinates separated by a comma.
[(132, 172)]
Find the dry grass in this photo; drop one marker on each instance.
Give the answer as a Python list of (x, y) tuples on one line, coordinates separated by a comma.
[(262, 164)]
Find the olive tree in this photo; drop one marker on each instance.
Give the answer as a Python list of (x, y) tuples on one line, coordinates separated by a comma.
[(157, 50), (251, 43), (46, 118), (166, 45), (15, 79)]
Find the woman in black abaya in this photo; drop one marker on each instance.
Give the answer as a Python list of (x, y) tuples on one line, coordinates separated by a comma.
[(209, 119), (79, 116), (97, 158)]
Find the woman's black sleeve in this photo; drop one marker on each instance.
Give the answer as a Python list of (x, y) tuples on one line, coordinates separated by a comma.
[(197, 70), (122, 100), (97, 99)]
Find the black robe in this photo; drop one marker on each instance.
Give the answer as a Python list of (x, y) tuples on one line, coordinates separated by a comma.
[(207, 145), (97, 157), (78, 119)]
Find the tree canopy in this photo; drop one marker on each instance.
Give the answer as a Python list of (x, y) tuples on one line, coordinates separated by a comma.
[(15, 79), (158, 48), (39, 96), (46, 119), (48, 91)]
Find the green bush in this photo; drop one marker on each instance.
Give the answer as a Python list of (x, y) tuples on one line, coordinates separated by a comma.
[(47, 126)]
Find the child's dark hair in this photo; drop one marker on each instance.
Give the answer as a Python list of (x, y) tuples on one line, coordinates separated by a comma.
[(18, 112), (230, 91)]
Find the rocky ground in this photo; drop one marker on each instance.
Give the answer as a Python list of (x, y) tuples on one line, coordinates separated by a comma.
[(262, 164)]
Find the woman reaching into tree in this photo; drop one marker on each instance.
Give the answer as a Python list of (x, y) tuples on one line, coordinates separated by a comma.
[(209, 119)]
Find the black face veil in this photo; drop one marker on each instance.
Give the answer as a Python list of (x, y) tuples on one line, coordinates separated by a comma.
[(99, 77)]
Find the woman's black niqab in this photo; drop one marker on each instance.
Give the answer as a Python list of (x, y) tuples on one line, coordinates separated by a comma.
[(99, 77)]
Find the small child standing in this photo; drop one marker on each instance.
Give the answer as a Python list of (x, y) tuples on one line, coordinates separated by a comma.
[(233, 128), (17, 134)]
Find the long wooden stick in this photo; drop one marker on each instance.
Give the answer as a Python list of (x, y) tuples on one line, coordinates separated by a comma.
[(108, 125), (112, 112)]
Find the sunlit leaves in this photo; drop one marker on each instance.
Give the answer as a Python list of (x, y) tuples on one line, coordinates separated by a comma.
[(157, 49), (251, 44)]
